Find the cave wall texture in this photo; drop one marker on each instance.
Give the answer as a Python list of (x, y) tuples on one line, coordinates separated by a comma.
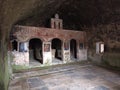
[(75, 13)]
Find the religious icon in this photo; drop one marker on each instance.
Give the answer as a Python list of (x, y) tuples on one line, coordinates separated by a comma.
[(23, 47), (46, 47), (66, 45)]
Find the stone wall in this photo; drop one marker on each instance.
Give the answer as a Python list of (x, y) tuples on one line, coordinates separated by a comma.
[(20, 58), (46, 35), (25, 33), (110, 35)]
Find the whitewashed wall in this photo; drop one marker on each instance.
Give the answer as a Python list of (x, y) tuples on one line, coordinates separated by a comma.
[(66, 56)]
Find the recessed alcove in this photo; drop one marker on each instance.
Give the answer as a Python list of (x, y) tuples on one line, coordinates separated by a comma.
[(35, 50)]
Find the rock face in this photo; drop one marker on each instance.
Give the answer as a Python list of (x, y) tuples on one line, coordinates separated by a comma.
[(109, 34), (75, 13)]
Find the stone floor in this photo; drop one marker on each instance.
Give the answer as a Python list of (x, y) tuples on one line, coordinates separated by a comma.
[(35, 63), (67, 77), (55, 61)]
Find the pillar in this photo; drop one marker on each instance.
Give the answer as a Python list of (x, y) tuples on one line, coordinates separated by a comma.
[(47, 53)]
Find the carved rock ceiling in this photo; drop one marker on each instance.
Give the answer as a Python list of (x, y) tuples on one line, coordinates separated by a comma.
[(75, 13)]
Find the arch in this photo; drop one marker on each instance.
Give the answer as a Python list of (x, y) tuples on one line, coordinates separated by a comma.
[(14, 45), (56, 48), (35, 50), (73, 49), (40, 38), (61, 39)]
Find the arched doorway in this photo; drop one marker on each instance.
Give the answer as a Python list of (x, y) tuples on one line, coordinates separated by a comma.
[(35, 50), (56, 49), (14, 45), (73, 49)]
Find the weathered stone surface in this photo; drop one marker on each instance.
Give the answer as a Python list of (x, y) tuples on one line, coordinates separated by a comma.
[(74, 79), (46, 35), (20, 58), (23, 33), (35, 82), (36, 12), (101, 88)]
